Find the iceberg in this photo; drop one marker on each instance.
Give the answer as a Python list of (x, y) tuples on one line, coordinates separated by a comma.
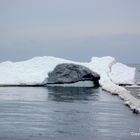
[(122, 74), (35, 71), (30, 72)]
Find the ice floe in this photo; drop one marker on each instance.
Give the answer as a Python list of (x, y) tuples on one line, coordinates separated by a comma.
[(35, 70)]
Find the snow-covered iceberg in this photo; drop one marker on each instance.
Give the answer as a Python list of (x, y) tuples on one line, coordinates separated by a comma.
[(30, 72), (35, 71), (122, 74)]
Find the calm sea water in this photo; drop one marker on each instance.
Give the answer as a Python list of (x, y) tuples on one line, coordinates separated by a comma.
[(41, 113)]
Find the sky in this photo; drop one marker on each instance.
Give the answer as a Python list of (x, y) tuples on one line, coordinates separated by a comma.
[(71, 29)]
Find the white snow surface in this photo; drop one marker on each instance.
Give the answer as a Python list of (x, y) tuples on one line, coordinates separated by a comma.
[(35, 71), (122, 74), (30, 72)]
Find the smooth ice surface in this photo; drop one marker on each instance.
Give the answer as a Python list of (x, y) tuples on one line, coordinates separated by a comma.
[(76, 84)]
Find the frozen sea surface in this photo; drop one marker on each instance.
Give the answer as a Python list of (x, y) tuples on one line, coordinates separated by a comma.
[(41, 113)]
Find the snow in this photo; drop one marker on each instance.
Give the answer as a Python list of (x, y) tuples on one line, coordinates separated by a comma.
[(102, 66), (30, 72), (35, 71), (123, 74)]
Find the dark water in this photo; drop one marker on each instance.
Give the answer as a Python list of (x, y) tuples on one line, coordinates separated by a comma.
[(135, 91), (39, 113)]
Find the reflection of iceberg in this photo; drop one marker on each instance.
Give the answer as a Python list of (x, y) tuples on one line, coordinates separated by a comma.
[(70, 94), (22, 94), (34, 71)]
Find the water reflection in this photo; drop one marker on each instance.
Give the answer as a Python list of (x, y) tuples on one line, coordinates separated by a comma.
[(23, 94), (71, 94), (134, 91), (58, 113)]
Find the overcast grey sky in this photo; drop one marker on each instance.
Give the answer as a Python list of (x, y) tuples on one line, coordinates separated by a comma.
[(72, 29)]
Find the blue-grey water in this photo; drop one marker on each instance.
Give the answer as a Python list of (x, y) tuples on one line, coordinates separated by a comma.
[(41, 113)]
